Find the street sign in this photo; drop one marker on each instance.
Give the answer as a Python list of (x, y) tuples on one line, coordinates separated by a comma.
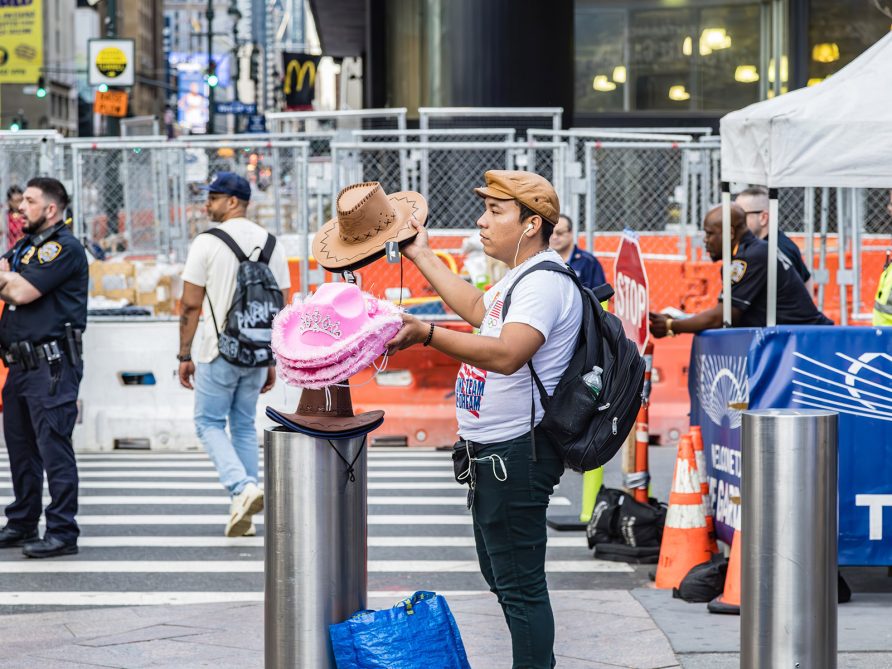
[(111, 62), (630, 284), (110, 103), (256, 123), (235, 107)]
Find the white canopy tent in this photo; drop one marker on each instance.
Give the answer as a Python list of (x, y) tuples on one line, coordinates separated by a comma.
[(835, 134)]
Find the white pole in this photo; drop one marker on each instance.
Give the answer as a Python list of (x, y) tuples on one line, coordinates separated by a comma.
[(771, 315), (726, 254)]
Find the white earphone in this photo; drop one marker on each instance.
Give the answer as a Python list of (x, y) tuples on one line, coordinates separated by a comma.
[(529, 227)]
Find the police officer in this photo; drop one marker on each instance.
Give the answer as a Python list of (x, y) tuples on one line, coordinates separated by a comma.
[(749, 284), (43, 281)]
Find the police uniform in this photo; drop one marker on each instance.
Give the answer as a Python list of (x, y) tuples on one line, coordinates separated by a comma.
[(587, 268), (40, 345), (788, 247), (749, 288)]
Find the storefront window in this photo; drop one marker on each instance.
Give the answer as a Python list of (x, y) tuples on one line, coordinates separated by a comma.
[(631, 57), (841, 31)]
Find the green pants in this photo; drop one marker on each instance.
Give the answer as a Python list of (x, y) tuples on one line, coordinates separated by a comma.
[(510, 533)]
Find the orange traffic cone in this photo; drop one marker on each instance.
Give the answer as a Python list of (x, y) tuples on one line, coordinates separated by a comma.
[(729, 601), (685, 539), (697, 440)]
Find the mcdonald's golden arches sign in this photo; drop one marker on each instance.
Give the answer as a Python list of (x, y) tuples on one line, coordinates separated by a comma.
[(299, 79)]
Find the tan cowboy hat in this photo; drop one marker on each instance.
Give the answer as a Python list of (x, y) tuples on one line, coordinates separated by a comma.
[(367, 219)]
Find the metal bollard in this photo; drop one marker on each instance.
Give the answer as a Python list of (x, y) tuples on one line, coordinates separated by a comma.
[(789, 531), (316, 545)]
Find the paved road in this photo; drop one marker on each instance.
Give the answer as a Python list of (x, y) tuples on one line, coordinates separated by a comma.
[(152, 533)]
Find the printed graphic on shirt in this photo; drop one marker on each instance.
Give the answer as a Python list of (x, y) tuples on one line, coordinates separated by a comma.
[(49, 252), (738, 269), (494, 317), (469, 387)]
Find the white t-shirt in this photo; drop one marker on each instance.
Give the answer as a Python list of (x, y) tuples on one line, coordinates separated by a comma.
[(492, 407), (212, 265)]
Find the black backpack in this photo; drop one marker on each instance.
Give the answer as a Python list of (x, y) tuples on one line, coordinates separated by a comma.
[(246, 335), (586, 431)]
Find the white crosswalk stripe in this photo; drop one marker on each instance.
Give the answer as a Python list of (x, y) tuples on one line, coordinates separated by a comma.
[(152, 526)]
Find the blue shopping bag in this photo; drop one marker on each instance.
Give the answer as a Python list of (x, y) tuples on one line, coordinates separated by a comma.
[(417, 633)]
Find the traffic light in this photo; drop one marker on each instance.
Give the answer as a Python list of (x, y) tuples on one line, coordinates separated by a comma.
[(15, 126), (41, 87), (103, 88), (212, 74)]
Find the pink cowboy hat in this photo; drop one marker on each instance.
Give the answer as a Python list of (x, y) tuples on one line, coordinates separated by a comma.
[(334, 333)]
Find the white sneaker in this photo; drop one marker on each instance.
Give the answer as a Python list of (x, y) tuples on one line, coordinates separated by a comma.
[(251, 531), (248, 502)]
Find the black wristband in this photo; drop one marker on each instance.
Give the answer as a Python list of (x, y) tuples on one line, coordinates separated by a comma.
[(430, 335)]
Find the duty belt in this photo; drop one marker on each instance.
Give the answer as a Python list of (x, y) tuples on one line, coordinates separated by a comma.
[(29, 355)]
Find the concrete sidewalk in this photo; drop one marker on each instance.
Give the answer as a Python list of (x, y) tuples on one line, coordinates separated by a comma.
[(593, 632), (605, 629)]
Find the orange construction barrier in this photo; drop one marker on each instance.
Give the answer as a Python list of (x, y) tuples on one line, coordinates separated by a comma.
[(697, 441), (729, 601), (685, 539)]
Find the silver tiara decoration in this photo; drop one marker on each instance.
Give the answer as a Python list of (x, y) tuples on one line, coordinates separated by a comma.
[(316, 322)]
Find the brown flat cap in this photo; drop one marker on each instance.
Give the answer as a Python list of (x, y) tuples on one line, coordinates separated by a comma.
[(528, 188)]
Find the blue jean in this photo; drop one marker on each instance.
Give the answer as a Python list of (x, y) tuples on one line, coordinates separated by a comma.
[(226, 392)]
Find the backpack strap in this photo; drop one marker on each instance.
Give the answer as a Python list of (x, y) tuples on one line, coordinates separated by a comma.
[(230, 242), (267, 253), (534, 378), (547, 265), (551, 267)]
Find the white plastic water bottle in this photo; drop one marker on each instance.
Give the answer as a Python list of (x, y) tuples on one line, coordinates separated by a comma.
[(593, 380)]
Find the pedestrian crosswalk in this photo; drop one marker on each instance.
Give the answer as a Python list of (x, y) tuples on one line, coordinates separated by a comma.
[(152, 533)]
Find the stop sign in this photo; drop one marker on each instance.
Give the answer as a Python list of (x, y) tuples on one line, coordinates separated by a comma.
[(630, 286)]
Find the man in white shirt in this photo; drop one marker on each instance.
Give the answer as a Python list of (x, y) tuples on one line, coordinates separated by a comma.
[(495, 395), (224, 391)]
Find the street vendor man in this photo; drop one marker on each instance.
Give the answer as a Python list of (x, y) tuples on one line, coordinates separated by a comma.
[(749, 284), (494, 392), (43, 282)]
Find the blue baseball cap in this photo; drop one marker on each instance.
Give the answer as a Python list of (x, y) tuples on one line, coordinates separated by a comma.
[(230, 183)]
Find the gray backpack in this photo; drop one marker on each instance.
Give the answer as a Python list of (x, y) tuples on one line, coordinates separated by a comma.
[(247, 333)]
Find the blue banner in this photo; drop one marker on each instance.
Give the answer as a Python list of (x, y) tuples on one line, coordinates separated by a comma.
[(235, 107), (843, 369)]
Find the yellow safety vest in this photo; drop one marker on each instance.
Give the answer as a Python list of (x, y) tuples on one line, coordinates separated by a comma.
[(882, 308)]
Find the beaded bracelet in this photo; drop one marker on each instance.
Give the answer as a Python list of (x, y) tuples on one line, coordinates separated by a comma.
[(430, 335)]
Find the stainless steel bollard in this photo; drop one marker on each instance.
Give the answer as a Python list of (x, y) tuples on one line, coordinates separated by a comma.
[(316, 545), (789, 533)]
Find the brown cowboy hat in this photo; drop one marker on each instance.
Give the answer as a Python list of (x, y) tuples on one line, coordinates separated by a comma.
[(327, 416), (367, 219)]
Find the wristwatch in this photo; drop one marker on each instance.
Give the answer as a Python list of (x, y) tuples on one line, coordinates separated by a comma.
[(669, 327), (185, 358)]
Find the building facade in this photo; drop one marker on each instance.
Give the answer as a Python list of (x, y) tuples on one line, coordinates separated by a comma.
[(606, 62), (20, 104)]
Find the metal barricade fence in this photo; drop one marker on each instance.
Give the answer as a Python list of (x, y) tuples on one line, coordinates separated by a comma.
[(455, 170), (140, 126), (573, 198), (659, 190), (342, 121), (146, 198), (519, 118), (121, 203), (23, 155)]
